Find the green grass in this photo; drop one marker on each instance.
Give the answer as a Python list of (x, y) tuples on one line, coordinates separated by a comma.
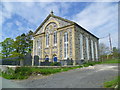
[(90, 64), (113, 83), (110, 61), (25, 72)]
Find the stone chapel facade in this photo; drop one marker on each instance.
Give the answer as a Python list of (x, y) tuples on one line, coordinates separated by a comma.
[(59, 39)]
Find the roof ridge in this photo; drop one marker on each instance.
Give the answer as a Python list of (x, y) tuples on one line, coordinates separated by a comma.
[(63, 19)]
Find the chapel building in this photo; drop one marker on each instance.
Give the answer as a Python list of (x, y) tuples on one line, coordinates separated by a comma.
[(58, 39)]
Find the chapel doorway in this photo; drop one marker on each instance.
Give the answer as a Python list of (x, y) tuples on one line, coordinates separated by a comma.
[(46, 58), (54, 58)]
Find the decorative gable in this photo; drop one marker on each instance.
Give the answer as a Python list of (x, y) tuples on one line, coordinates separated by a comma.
[(52, 22)]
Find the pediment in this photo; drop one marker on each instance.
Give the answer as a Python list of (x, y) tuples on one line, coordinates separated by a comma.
[(55, 22)]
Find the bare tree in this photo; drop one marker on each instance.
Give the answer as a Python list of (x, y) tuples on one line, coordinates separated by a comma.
[(103, 49)]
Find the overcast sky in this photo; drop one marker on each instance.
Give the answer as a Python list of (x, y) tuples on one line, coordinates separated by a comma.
[(99, 18)]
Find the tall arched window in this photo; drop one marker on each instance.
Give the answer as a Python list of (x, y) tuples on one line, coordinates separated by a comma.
[(87, 48), (92, 49), (47, 39), (37, 45), (66, 45), (55, 38), (96, 49), (81, 46)]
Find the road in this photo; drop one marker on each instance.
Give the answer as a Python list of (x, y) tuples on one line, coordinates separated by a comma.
[(89, 77)]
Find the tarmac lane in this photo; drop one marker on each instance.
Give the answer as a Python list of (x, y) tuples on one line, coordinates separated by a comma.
[(87, 77)]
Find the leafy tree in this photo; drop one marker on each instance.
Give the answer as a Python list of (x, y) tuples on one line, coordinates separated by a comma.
[(23, 45), (116, 52), (7, 47), (29, 41), (20, 46)]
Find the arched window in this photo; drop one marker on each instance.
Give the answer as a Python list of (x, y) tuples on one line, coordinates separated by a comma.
[(55, 38), (96, 49), (92, 50), (81, 46), (47, 39), (39, 48), (87, 48), (66, 45)]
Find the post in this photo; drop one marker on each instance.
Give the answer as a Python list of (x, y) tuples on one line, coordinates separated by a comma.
[(110, 43)]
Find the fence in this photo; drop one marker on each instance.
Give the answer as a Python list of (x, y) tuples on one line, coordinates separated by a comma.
[(27, 61)]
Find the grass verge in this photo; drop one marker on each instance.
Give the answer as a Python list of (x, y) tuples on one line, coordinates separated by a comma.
[(25, 72), (110, 61), (113, 83)]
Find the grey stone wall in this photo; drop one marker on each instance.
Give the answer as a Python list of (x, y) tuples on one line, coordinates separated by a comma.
[(85, 34)]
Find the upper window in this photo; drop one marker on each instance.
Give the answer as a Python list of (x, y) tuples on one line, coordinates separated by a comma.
[(51, 27), (66, 45), (38, 47), (55, 37), (87, 47), (92, 49), (47, 39), (96, 49), (81, 46)]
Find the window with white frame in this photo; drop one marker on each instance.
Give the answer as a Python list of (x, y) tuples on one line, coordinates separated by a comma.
[(38, 47), (92, 49), (66, 45), (81, 46), (55, 38), (47, 39), (87, 47), (35, 49), (96, 49)]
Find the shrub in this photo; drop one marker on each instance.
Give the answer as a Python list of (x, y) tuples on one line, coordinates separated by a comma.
[(55, 64), (19, 73), (25, 71), (85, 65), (0, 72), (9, 71)]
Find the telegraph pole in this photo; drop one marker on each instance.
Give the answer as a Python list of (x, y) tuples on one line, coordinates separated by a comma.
[(110, 43)]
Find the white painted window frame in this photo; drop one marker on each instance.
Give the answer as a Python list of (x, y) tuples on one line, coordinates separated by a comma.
[(92, 50), (81, 47), (65, 45), (96, 49), (47, 40), (87, 48), (55, 38)]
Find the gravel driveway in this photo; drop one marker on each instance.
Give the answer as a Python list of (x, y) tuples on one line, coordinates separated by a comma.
[(89, 77)]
